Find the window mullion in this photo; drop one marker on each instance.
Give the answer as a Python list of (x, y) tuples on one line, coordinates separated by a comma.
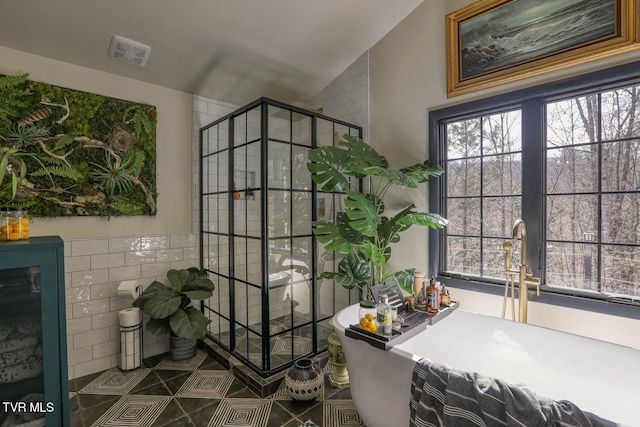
[(533, 179)]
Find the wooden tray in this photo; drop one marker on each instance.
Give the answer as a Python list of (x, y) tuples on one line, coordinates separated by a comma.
[(414, 322)]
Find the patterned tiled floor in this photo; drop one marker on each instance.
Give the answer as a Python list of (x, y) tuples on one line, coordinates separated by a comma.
[(196, 393)]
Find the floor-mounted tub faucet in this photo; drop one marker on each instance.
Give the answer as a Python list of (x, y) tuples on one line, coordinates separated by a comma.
[(525, 274), (510, 281)]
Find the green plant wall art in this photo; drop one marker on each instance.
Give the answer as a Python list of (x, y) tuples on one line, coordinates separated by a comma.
[(70, 153)]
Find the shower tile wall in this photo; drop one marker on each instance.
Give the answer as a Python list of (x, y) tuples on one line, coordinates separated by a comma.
[(347, 96), (94, 267)]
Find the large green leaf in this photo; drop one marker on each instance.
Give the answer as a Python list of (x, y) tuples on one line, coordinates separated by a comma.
[(421, 172), (373, 253), (411, 176), (352, 236), (328, 165), (178, 278), (405, 279), (159, 326), (355, 267), (189, 323), (346, 281), (148, 293), (199, 288), (377, 202), (361, 154), (389, 229), (162, 304), (426, 219), (352, 272), (328, 234), (362, 213)]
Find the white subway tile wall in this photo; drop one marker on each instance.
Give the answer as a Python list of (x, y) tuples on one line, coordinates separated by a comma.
[(347, 96), (95, 267)]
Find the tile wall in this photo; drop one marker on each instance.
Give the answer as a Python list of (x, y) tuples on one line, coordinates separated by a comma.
[(347, 96), (94, 268)]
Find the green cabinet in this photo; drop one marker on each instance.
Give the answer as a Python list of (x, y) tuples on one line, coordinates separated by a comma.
[(34, 384)]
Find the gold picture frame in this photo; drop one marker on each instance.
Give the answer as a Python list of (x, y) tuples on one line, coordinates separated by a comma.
[(491, 42)]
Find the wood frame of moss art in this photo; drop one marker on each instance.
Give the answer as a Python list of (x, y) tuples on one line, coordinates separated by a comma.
[(70, 153)]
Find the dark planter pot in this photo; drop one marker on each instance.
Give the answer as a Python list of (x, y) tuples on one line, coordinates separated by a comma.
[(304, 381), (182, 348)]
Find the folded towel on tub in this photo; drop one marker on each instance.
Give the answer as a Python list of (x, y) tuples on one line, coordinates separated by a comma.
[(442, 396)]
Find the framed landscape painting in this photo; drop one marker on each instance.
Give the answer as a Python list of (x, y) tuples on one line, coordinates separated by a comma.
[(491, 42)]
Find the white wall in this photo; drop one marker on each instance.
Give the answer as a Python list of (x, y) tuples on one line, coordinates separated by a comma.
[(407, 79)]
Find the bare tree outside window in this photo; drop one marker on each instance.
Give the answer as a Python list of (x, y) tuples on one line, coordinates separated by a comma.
[(593, 186), (484, 176)]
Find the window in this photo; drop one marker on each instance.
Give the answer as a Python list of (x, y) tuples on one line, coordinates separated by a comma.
[(565, 157), (484, 177)]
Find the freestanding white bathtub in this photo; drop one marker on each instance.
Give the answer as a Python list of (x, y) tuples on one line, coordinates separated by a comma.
[(599, 377)]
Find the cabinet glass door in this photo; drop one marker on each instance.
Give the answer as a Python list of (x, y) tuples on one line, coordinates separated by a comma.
[(26, 345)]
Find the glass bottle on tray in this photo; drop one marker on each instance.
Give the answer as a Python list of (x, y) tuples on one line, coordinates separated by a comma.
[(383, 310), (433, 296)]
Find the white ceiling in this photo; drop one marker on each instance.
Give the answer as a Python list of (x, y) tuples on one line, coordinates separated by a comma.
[(229, 50)]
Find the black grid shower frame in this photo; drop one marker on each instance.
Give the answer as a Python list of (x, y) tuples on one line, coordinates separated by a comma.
[(480, 196), (266, 369)]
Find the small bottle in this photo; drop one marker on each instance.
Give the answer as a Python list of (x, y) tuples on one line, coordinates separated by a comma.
[(433, 304), (418, 282), (445, 299), (383, 310)]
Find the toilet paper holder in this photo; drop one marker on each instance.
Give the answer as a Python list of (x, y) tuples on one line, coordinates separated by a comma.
[(131, 341)]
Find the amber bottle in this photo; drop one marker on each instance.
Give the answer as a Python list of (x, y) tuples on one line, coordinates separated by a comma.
[(433, 297)]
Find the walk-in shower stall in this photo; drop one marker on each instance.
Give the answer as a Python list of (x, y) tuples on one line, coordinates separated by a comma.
[(257, 205)]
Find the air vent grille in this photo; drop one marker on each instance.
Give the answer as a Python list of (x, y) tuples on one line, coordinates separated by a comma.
[(129, 51)]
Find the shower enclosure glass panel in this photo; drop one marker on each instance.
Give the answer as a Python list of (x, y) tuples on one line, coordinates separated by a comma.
[(257, 207)]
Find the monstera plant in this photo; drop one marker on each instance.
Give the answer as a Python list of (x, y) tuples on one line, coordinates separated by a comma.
[(363, 233), (170, 308)]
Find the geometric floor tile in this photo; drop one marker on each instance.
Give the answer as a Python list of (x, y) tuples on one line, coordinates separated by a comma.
[(134, 410), (242, 413), (115, 381), (183, 365), (176, 394), (301, 345), (329, 367), (255, 358), (340, 413), (281, 393), (206, 385), (274, 329)]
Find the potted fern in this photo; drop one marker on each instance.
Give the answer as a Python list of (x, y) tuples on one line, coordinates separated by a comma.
[(171, 312), (363, 233)]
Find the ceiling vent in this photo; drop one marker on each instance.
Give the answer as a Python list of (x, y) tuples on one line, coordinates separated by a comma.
[(129, 51)]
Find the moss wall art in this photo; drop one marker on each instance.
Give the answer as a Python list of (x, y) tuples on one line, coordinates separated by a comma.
[(69, 153)]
